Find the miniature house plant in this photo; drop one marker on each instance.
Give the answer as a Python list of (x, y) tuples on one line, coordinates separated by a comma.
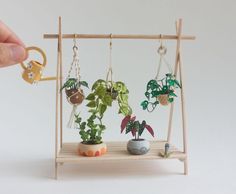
[(162, 91), (107, 92), (74, 93), (75, 96), (136, 146), (99, 100)]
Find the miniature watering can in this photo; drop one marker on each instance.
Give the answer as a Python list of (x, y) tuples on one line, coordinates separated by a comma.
[(33, 70)]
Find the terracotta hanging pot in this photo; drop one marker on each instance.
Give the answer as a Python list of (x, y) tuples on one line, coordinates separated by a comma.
[(75, 96), (163, 99), (92, 150)]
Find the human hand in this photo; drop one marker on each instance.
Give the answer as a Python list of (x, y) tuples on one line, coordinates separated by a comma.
[(12, 49)]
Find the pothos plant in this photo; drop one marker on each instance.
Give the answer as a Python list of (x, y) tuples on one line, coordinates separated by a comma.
[(136, 128), (99, 100), (156, 89)]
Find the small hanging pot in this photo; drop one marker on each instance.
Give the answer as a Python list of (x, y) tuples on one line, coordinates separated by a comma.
[(75, 96), (163, 99), (113, 93)]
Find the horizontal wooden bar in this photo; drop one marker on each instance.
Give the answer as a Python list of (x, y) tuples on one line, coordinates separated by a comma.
[(117, 36)]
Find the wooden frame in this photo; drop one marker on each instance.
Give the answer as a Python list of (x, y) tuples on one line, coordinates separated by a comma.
[(67, 152)]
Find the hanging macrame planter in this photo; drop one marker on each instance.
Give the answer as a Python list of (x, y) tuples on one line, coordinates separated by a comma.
[(72, 86), (109, 81), (161, 90)]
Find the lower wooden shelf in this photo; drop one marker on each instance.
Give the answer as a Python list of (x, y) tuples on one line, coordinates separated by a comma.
[(116, 151)]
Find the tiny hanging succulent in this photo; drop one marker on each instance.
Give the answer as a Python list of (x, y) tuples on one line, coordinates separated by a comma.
[(157, 88)]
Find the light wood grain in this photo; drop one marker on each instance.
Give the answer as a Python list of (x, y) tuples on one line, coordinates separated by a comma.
[(178, 34), (118, 36), (116, 151)]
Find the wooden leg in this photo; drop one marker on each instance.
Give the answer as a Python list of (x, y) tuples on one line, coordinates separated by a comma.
[(186, 166), (56, 169)]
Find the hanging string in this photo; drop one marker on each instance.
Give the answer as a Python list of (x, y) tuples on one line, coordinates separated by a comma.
[(75, 62), (110, 72), (162, 50), (76, 67)]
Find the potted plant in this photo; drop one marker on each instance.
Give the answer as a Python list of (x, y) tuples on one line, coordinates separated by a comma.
[(136, 146), (99, 100), (103, 90), (74, 93), (163, 91)]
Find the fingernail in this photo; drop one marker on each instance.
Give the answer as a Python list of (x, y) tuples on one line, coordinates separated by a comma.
[(18, 53)]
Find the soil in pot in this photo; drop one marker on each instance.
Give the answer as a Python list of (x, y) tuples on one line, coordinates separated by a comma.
[(163, 99), (92, 150), (75, 96), (113, 93), (138, 146)]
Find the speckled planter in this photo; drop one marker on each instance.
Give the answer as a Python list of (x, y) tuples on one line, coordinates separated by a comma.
[(138, 147), (92, 150)]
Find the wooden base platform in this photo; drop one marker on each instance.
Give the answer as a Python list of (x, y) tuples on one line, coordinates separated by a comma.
[(116, 151)]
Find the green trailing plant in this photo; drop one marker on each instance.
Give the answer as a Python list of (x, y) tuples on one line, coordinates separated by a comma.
[(136, 128), (98, 101), (104, 92), (74, 83), (155, 88)]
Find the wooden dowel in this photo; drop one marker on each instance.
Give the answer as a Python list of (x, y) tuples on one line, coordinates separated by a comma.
[(60, 83), (56, 115), (185, 150), (118, 36), (178, 32)]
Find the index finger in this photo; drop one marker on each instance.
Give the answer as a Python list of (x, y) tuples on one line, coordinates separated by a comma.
[(7, 36)]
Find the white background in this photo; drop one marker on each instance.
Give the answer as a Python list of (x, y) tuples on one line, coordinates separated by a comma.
[(27, 112)]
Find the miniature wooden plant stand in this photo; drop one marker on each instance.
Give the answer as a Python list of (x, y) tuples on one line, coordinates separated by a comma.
[(67, 152)]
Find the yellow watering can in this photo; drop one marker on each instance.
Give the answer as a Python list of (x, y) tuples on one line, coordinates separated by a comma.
[(33, 70)]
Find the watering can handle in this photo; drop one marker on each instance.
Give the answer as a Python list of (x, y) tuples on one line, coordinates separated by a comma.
[(40, 51)]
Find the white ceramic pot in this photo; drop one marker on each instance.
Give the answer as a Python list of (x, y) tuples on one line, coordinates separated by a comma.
[(138, 146)]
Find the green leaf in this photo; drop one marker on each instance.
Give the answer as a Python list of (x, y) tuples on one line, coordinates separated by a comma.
[(152, 84), (102, 109), (155, 93), (84, 83), (107, 100), (172, 94), (78, 119), (171, 82), (177, 83), (90, 97), (97, 83), (147, 94), (144, 104), (171, 100), (91, 104), (94, 111), (124, 97), (100, 91)]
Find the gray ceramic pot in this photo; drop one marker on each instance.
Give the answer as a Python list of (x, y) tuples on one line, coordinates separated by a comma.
[(138, 146)]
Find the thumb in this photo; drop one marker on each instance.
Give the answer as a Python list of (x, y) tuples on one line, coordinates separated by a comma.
[(11, 54)]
